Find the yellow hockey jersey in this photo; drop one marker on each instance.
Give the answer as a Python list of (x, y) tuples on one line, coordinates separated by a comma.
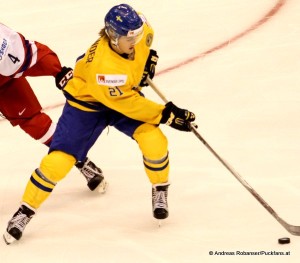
[(104, 76)]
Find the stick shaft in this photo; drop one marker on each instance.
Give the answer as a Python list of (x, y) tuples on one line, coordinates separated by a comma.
[(294, 230)]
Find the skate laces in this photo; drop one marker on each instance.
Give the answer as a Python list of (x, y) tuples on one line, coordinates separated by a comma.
[(160, 199), (90, 170), (19, 221)]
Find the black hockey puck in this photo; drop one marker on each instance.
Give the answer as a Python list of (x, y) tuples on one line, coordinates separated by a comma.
[(284, 240)]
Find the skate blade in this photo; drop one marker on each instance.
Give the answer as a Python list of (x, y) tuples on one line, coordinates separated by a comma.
[(8, 239)]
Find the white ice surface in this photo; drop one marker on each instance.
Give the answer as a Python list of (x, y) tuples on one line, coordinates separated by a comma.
[(246, 97)]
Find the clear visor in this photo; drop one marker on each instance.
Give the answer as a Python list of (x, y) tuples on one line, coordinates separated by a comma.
[(135, 36)]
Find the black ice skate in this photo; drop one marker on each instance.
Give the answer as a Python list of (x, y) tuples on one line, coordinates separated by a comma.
[(17, 224), (159, 200), (93, 175)]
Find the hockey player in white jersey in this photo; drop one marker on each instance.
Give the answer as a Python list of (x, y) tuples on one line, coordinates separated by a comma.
[(21, 58)]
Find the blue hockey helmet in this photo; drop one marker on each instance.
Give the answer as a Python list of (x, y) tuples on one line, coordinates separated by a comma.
[(123, 20)]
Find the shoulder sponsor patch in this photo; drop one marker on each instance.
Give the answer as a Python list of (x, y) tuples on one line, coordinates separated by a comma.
[(3, 47), (111, 79)]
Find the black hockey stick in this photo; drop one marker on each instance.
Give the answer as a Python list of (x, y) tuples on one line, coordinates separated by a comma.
[(294, 230)]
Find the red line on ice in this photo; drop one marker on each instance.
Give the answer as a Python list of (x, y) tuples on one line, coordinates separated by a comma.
[(224, 44)]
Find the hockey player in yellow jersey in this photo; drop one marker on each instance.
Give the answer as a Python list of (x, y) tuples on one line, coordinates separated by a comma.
[(106, 91)]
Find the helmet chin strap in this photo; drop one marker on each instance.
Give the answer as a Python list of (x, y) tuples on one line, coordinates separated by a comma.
[(113, 41), (116, 45)]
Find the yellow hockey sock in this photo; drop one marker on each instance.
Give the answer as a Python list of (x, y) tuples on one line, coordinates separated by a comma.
[(54, 167), (154, 146)]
